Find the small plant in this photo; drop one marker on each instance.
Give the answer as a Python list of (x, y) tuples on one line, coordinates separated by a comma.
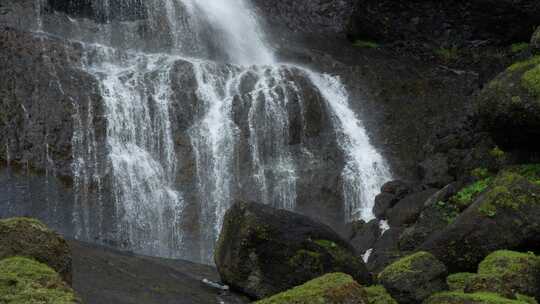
[(448, 54), (498, 154), (366, 44), (466, 196), (519, 47)]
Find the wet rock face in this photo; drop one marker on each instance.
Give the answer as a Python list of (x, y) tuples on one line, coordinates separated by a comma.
[(307, 16), (445, 22), (263, 251), (101, 11)]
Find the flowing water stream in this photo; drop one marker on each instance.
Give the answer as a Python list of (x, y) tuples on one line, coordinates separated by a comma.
[(237, 134)]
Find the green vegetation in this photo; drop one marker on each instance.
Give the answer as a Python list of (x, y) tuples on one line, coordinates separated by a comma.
[(530, 171), (498, 154), (377, 294), (447, 54), (328, 289), (519, 47), (531, 81), (404, 265), (508, 262), (456, 297), (14, 221), (466, 196), (526, 64), (367, 44), (25, 281), (458, 281)]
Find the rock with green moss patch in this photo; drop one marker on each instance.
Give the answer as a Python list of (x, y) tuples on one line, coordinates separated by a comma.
[(505, 216), (458, 281), (333, 288), (262, 251), (508, 273), (413, 278), (377, 294), (509, 106), (31, 238), (456, 297), (26, 281), (535, 41)]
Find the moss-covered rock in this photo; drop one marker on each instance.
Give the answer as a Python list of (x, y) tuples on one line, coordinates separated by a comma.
[(377, 294), (31, 238), (26, 281), (455, 297), (333, 288), (458, 281), (263, 251), (414, 278), (509, 106), (507, 273), (505, 216)]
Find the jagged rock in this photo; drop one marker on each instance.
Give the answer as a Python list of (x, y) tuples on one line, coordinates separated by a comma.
[(507, 273), (414, 278), (366, 236), (333, 288), (434, 171), (391, 193), (505, 216), (509, 106), (535, 41), (435, 216), (385, 250), (24, 280), (263, 251), (471, 298), (407, 210), (31, 238)]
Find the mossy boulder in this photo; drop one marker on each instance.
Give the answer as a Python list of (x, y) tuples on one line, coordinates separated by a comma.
[(509, 106), (456, 297), (262, 251), (458, 281), (333, 288), (535, 41), (377, 294), (31, 238), (508, 273), (413, 278), (26, 281), (505, 216)]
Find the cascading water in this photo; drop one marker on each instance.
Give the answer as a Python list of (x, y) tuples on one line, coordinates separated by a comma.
[(171, 159)]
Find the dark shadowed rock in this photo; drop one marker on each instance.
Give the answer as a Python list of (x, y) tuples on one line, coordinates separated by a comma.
[(263, 251), (434, 171), (412, 279), (31, 238), (385, 250), (535, 41), (365, 236), (506, 216), (407, 210)]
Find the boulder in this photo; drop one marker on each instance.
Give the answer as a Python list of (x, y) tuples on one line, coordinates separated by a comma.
[(434, 171), (377, 294), (365, 236), (262, 251), (414, 278), (391, 193), (385, 250), (505, 216), (30, 238), (535, 41), (407, 210), (507, 273), (471, 298), (333, 288), (24, 280), (509, 106), (458, 281)]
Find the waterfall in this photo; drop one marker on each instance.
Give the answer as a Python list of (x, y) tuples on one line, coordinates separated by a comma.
[(199, 112)]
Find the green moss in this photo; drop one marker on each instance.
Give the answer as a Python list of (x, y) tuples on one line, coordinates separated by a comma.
[(25, 281), (519, 47), (526, 299), (531, 81), (330, 288), (404, 265), (307, 260), (507, 262), (480, 173), (526, 64), (377, 294), (447, 54), (15, 221), (466, 196), (456, 297), (458, 281), (366, 44), (530, 171), (497, 154)]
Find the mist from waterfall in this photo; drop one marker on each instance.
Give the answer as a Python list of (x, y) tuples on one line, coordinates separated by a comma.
[(162, 193)]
